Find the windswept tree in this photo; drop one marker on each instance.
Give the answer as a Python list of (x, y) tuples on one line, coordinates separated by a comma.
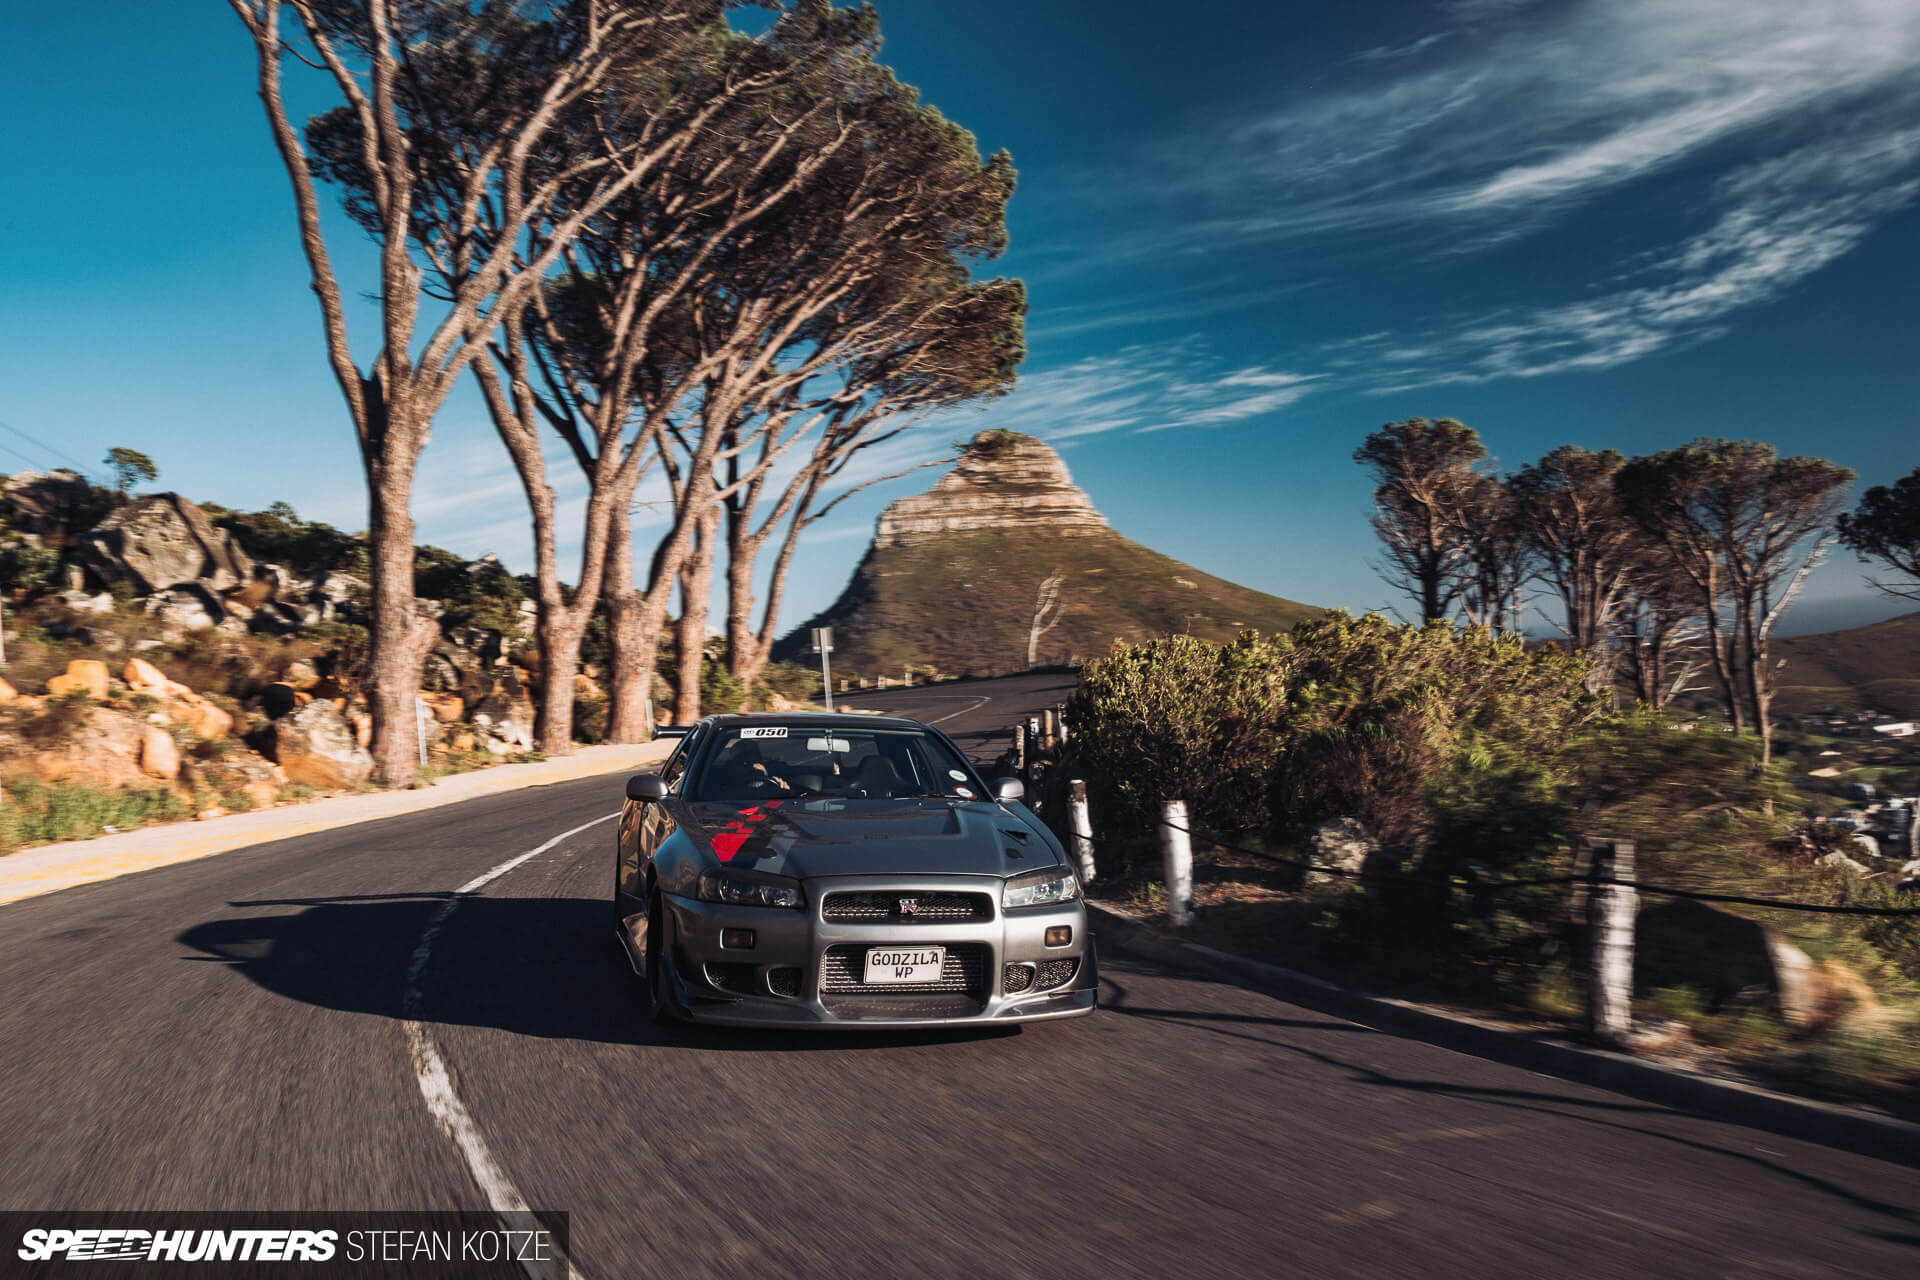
[(1676, 508), (1585, 547), (532, 76), (1782, 513), (1660, 629), (1499, 559), (1886, 527), (698, 111), (803, 370), (1746, 527), (962, 342), (129, 466), (1425, 473)]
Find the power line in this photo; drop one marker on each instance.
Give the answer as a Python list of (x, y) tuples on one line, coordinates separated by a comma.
[(43, 445), (16, 453)]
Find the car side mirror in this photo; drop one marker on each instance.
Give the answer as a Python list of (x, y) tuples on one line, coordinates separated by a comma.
[(646, 787), (1007, 790)]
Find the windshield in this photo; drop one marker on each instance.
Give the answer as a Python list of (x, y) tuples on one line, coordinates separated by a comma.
[(749, 764)]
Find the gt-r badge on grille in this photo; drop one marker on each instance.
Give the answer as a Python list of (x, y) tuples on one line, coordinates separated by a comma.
[(909, 906)]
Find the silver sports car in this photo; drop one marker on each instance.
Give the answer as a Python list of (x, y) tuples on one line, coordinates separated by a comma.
[(808, 870)]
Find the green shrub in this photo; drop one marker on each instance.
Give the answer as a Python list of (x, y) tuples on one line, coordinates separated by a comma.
[(27, 568), (589, 717), (720, 693)]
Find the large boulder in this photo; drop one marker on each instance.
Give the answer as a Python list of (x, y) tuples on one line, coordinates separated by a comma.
[(159, 755), (84, 674), (163, 541), (234, 774), (1725, 957), (186, 607), (314, 744), (56, 503), (101, 748), (505, 722), (1341, 843)]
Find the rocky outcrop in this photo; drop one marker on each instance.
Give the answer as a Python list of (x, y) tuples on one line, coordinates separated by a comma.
[(1003, 481), (50, 505), (164, 541), (314, 744), (1004, 565)]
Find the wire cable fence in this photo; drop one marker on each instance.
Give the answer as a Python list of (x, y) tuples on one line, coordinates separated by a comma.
[(1493, 884)]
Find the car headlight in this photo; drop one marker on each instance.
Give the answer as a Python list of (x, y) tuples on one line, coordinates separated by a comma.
[(737, 891), (1042, 888)]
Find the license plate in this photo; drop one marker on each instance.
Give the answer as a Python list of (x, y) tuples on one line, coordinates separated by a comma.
[(888, 966)]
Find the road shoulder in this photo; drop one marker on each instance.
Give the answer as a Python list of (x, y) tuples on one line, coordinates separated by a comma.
[(51, 868), (1854, 1129)]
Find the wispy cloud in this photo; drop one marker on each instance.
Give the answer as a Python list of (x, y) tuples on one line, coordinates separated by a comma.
[(1137, 389), (1537, 108), (1775, 223)]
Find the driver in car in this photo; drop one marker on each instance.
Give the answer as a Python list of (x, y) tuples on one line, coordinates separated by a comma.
[(748, 769)]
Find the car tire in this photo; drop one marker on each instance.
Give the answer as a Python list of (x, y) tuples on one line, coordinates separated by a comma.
[(659, 985)]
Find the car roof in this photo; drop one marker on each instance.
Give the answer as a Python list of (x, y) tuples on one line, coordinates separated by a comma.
[(814, 720)]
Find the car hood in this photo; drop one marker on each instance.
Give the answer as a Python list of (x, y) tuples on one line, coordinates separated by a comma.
[(820, 837)]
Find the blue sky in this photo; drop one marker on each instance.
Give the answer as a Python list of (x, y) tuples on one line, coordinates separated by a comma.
[(1252, 233)]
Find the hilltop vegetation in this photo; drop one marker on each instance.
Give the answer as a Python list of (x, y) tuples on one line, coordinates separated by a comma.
[(964, 603)]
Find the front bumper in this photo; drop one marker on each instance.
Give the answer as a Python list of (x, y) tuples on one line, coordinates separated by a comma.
[(818, 961)]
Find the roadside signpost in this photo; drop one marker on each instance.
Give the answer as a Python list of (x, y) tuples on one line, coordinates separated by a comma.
[(823, 645)]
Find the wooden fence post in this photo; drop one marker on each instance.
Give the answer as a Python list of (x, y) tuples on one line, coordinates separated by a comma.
[(1176, 858), (1020, 751), (1081, 819), (1610, 916), (1049, 732), (1060, 718)]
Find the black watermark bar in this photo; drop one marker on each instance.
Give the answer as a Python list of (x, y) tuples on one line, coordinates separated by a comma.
[(426, 1245)]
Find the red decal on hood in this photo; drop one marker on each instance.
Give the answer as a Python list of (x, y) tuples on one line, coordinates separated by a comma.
[(728, 840)]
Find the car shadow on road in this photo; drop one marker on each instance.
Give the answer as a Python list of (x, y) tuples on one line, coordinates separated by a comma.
[(545, 967)]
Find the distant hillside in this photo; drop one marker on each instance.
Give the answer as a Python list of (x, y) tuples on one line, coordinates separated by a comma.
[(954, 576), (1862, 668)]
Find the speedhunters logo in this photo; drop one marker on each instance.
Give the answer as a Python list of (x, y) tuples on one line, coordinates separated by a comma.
[(276, 1244), (119, 1244)]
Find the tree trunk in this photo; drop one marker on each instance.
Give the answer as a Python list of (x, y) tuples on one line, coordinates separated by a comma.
[(1759, 682), (401, 637), (559, 661), (630, 650), (696, 593), (743, 645)]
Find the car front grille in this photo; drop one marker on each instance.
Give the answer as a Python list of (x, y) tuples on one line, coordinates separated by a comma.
[(1056, 973), (844, 966), (906, 907), (1016, 978)]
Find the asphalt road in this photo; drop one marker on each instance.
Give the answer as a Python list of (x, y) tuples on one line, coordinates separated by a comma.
[(977, 714), (233, 1033)]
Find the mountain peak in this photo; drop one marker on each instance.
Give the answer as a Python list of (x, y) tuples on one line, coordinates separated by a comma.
[(1003, 480)]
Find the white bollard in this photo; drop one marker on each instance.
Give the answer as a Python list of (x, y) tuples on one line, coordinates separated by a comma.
[(420, 726), (1081, 819), (1610, 919), (1176, 857)]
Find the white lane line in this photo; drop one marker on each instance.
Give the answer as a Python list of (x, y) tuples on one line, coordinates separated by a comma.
[(952, 697), (436, 1083)]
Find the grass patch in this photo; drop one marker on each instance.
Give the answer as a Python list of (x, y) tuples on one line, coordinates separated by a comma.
[(43, 813)]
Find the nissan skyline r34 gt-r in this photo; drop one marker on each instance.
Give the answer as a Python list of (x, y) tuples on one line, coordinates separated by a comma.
[(819, 870)]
